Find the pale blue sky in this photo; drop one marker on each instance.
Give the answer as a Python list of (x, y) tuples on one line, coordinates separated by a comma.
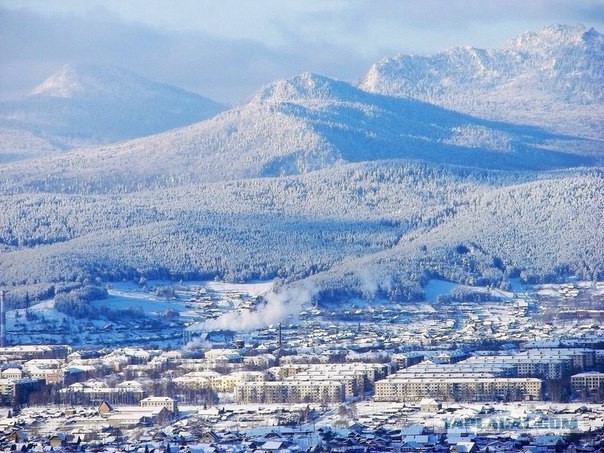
[(227, 49)]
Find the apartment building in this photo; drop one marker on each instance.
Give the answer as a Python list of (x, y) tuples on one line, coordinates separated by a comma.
[(159, 401), (227, 383), (290, 392), (588, 382), (458, 388)]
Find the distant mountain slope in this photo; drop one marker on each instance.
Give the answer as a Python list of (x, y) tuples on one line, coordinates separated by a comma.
[(300, 125), (91, 104), (257, 228), (553, 78)]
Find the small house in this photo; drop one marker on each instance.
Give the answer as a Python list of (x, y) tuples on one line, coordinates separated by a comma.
[(430, 405)]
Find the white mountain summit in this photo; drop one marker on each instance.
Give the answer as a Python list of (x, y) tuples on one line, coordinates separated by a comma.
[(92, 104), (317, 179), (552, 78)]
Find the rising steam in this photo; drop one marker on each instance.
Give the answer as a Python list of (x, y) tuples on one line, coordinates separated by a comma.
[(278, 307)]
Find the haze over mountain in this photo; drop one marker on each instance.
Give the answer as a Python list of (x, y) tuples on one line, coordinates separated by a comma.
[(364, 194), (552, 78), (92, 104)]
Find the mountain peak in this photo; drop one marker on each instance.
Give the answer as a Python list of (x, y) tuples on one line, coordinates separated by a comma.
[(554, 36), (104, 82), (85, 80), (82, 104), (305, 86), (551, 78)]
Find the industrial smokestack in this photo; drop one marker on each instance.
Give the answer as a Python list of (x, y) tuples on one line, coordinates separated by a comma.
[(2, 321), (280, 336)]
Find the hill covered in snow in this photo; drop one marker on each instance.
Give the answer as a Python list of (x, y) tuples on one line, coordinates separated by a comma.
[(389, 226), (90, 104), (552, 78)]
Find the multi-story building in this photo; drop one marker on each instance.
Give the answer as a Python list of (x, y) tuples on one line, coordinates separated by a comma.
[(159, 401), (222, 357), (545, 363), (582, 358), (38, 351), (12, 373), (228, 382), (407, 359), (16, 391), (197, 379), (584, 384), (544, 366), (353, 385), (404, 389), (365, 374), (262, 360), (290, 392)]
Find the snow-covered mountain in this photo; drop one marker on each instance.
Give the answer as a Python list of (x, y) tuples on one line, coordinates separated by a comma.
[(349, 188), (552, 78), (303, 124), (91, 104)]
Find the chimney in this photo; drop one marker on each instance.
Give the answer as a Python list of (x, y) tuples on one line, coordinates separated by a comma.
[(2, 320), (280, 336)]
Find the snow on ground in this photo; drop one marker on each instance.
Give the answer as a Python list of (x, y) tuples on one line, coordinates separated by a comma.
[(253, 289), (150, 305), (45, 308), (194, 301), (516, 285), (123, 295), (548, 290), (569, 289), (436, 287), (536, 417)]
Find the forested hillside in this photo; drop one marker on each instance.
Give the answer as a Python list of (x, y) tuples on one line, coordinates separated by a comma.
[(399, 221)]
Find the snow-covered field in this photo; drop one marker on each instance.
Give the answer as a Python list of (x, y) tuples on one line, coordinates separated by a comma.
[(187, 302)]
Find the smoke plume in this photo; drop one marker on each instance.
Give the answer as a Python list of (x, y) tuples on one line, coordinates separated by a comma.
[(278, 307)]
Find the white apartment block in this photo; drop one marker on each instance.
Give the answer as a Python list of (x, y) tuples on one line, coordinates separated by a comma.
[(403, 389), (290, 392), (221, 357), (546, 363), (545, 366), (227, 383), (587, 382), (353, 384), (371, 372), (158, 402), (582, 358)]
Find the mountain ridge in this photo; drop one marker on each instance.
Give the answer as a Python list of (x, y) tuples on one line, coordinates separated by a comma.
[(553, 78), (300, 125), (400, 221)]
